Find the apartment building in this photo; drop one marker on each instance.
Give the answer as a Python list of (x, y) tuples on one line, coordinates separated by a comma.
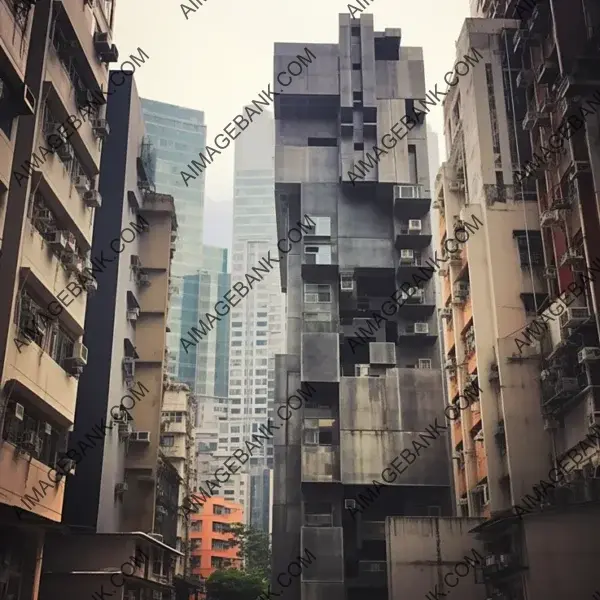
[(377, 381), (177, 444), (176, 133), (130, 485), (520, 296), (211, 545), (212, 443), (54, 61)]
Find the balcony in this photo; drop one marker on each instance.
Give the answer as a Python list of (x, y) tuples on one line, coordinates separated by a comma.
[(57, 187), (411, 201), (371, 573), (481, 470), (413, 235), (77, 22), (452, 387), (558, 389), (40, 379), (416, 305), (19, 474), (535, 118), (449, 341), (51, 277), (581, 81), (59, 90), (521, 38), (547, 72), (497, 567), (524, 78), (457, 436), (409, 264), (14, 40)]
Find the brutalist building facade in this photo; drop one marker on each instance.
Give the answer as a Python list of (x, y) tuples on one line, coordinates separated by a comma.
[(375, 372)]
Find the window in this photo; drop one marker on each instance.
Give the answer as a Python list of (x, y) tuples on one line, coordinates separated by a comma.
[(318, 254), (167, 440), (359, 145), (235, 440), (235, 429), (356, 66), (221, 527), (424, 363), (261, 342), (412, 163), (236, 343), (235, 411), (317, 292), (322, 142)]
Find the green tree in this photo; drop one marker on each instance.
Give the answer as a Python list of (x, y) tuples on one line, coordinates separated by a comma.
[(231, 584), (254, 548)]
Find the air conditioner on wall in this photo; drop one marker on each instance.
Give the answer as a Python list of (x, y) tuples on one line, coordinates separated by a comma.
[(414, 225), (422, 328), (588, 354)]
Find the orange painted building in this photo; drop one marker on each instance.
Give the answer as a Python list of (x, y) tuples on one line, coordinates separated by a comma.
[(209, 537)]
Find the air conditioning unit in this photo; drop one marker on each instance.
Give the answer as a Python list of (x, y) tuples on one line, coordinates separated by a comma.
[(458, 455), (125, 430), (129, 368), (361, 370), (574, 316), (82, 184), (73, 262), (133, 314), (446, 313), (106, 50), (135, 262), (456, 186), (57, 239), (346, 283), (32, 325), (161, 510), (42, 215), (550, 424), (443, 272), (461, 289), (68, 466), (90, 284), (463, 502), (30, 441), (550, 273), (551, 217), (121, 488), (19, 412), (65, 152), (349, 503), (92, 199), (52, 132), (479, 436), (47, 429), (437, 205), (101, 128), (571, 257), (140, 436), (422, 328), (593, 419), (80, 354), (414, 225), (450, 364), (71, 245), (143, 279), (407, 255), (588, 354)]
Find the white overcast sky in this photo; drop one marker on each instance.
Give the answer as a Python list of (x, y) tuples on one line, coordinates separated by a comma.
[(222, 57)]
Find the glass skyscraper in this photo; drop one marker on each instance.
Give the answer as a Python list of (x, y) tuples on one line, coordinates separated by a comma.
[(198, 274)]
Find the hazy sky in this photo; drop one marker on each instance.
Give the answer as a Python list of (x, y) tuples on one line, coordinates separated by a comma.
[(222, 57)]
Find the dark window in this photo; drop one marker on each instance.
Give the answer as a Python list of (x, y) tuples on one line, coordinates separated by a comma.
[(322, 142), (356, 66), (357, 97), (355, 30), (325, 437), (359, 145)]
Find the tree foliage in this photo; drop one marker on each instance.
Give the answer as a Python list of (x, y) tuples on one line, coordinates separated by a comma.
[(231, 584), (254, 548)]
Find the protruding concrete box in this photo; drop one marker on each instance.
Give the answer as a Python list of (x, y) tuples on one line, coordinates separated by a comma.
[(320, 357), (382, 353), (421, 551)]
